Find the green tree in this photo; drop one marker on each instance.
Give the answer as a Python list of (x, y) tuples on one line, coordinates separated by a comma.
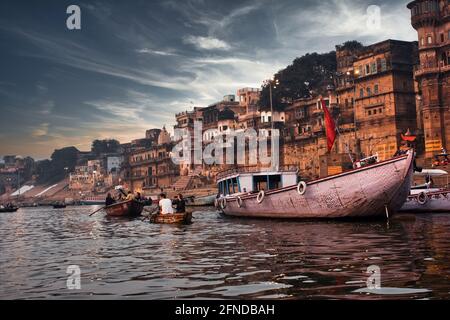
[(309, 74), (105, 146), (62, 162)]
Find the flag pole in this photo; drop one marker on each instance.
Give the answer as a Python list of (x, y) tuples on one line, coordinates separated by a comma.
[(346, 145)]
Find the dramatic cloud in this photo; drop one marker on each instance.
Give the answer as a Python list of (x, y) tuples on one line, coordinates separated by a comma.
[(207, 43), (132, 67)]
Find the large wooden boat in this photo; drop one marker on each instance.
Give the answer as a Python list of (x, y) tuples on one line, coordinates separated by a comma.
[(129, 208), (369, 191), (176, 218)]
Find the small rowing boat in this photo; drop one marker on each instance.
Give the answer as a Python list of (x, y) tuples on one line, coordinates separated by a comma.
[(8, 210), (176, 218), (129, 208)]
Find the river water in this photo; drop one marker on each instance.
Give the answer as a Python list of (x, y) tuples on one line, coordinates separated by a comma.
[(220, 258)]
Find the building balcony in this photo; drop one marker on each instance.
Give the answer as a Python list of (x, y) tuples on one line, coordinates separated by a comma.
[(422, 71), (426, 18), (149, 161)]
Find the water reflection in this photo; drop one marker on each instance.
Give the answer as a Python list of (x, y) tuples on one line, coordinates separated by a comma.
[(220, 258)]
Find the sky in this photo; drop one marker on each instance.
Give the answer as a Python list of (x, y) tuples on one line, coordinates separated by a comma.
[(134, 64)]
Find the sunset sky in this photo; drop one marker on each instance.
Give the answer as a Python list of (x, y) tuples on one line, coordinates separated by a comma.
[(136, 63)]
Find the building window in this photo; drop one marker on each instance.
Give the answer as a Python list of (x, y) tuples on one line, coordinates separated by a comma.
[(442, 37), (430, 40), (375, 89), (367, 69), (374, 68), (369, 112), (422, 41), (361, 93), (369, 91), (383, 65)]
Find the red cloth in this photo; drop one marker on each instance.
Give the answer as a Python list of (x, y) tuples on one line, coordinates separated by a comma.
[(330, 126), (409, 138)]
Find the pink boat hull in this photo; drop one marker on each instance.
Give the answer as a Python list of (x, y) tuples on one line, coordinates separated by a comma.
[(366, 192)]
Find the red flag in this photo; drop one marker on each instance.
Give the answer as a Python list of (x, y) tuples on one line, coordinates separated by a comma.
[(330, 126), (409, 138)]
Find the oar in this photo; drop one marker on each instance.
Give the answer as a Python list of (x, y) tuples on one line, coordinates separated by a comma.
[(96, 211)]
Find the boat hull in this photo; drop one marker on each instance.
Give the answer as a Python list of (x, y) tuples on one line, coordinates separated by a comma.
[(125, 209), (370, 191), (436, 202), (9, 210), (177, 218)]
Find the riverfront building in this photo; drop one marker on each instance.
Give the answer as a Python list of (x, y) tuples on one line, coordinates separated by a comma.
[(431, 19)]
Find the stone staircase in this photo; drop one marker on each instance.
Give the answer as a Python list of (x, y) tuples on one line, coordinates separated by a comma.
[(183, 183)]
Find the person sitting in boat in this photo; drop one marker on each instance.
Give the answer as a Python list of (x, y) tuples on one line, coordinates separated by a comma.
[(429, 181), (165, 205), (138, 196), (109, 200), (180, 204), (130, 196)]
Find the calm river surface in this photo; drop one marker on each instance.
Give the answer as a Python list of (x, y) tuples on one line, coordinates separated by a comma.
[(220, 258)]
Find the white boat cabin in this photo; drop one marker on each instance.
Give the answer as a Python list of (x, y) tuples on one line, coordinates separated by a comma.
[(254, 182)]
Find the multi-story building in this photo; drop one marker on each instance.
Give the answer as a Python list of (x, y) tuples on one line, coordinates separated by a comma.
[(152, 168), (185, 129), (385, 103), (373, 104), (431, 19)]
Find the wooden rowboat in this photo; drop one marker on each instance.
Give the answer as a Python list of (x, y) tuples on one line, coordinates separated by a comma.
[(129, 208), (375, 190), (176, 218)]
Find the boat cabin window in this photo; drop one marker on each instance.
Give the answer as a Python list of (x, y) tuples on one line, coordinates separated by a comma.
[(266, 182), (230, 186)]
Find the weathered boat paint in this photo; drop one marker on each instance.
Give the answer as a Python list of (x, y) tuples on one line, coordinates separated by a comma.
[(176, 218), (370, 191), (127, 208)]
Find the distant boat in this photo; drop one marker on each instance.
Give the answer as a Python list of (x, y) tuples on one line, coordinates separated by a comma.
[(92, 202), (176, 218), (369, 191), (59, 206), (129, 208), (203, 201), (8, 209)]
